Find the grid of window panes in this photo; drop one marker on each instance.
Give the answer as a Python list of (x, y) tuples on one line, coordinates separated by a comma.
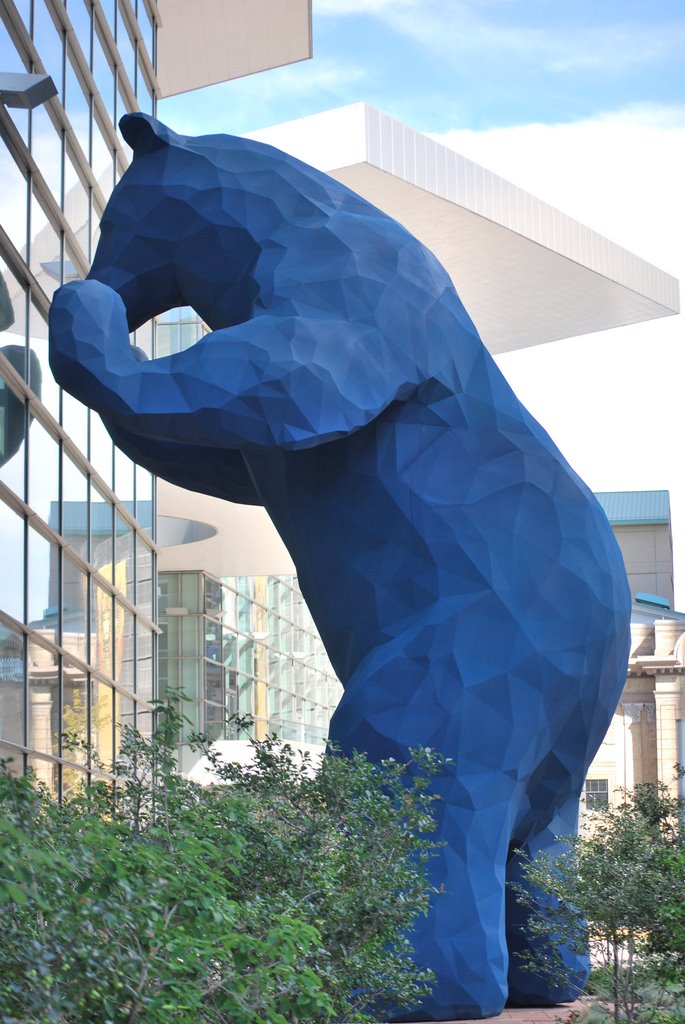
[(77, 587), (596, 794), (245, 644)]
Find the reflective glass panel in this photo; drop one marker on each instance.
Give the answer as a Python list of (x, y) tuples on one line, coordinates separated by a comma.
[(12, 429), (101, 525), (77, 212), (79, 16), (78, 105), (75, 714), (46, 147), (144, 662), (192, 595), (74, 506), (101, 628), (75, 609), (103, 75), (11, 685), (75, 421), (102, 164), (41, 381), (125, 715), (143, 577), (43, 493), (102, 721), (144, 498), (43, 585), (44, 712), (13, 201), (46, 249), (124, 624), (123, 478), (12, 575), (126, 50), (46, 772), (101, 449), (145, 27), (124, 541), (49, 43)]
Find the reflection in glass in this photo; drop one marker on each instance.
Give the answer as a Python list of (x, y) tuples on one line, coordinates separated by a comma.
[(77, 105), (74, 506), (13, 415), (46, 772), (43, 585), (102, 73), (143, 577), (74, 609), (124, 542), (144, 499), (126, 51), (44, 716), (46, 247), (41, 380), (101, 628), (43, 493), (124, 624), (143, 662), (49, 45), (14, 198), (123, 478), (12, 576), (102, 722), (75, 421), (11, 685), (101, 527), (125, 716), (101, 449)]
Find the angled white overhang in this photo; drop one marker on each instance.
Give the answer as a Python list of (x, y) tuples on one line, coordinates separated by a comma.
[(526, 272), (202, 42)]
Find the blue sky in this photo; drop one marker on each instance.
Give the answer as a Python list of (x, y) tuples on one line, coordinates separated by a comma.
[(581, 103), (445, 64)]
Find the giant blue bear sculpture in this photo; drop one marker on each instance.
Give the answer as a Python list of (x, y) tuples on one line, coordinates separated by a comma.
[(465, 582)]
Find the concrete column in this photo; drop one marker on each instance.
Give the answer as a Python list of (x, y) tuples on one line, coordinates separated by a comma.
[(668, 695), (40, 731)]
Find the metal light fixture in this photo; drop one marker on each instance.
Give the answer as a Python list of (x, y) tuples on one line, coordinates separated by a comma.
[(24, 90)]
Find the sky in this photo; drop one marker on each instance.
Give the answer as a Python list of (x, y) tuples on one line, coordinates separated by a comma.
[(582, 104)]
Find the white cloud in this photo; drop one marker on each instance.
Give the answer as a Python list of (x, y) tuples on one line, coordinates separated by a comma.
[(245, 103), (471, 28)]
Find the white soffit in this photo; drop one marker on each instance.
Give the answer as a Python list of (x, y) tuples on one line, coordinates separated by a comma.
[(526, 272), (241, 539), (202, 42)]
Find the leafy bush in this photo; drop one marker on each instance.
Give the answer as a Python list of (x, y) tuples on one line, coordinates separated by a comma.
[(619, 889), (282, 897)]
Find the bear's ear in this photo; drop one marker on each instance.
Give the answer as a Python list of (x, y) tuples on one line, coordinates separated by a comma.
[(143, 133)]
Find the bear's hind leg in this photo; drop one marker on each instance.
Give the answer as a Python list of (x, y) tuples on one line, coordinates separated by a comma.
[(569, 973), (385, 712)]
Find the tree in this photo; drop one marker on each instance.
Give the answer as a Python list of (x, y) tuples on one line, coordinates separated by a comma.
[(282, 897), (619, 888)]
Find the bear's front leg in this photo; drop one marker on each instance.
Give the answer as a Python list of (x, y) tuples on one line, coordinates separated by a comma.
[(89, 341), (385, 711)]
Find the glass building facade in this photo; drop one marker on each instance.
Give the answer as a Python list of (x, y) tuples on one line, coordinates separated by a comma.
[(247, 645), (77, 587)]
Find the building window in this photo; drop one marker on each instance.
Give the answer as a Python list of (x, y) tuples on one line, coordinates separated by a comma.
[(596, 794)]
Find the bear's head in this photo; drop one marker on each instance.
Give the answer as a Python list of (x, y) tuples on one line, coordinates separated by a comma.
[(174, 231)]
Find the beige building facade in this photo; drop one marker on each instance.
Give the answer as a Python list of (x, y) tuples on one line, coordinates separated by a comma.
[(642, 744)]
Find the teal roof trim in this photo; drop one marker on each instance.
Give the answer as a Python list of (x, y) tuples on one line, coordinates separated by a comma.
[(634, 508)]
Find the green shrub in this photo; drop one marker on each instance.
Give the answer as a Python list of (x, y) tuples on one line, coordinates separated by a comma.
[(282, 897)]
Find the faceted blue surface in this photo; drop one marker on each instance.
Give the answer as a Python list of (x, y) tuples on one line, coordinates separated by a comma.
[(465, 582)]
